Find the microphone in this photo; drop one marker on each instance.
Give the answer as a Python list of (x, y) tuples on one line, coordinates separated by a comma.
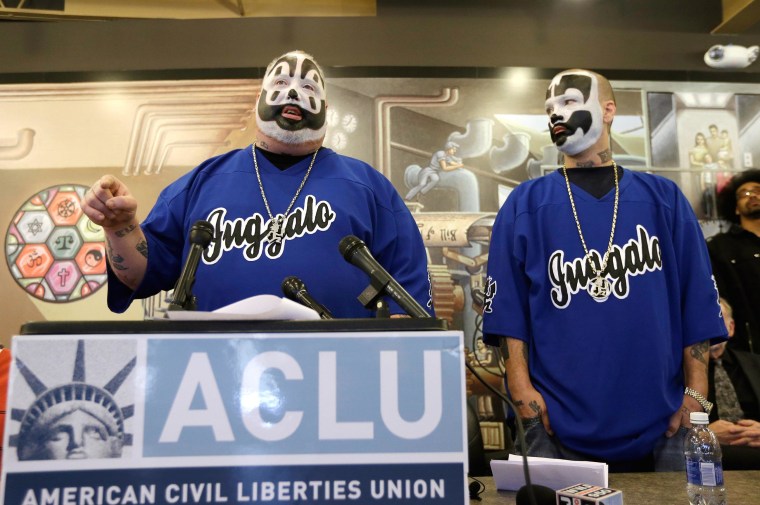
[(528, 493), (356, 252), (295, 289), (543, 495), (534, 494), (201, 234)]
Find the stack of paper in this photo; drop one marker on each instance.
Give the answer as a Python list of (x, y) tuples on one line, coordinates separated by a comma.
[(259, 307), (549, 472)]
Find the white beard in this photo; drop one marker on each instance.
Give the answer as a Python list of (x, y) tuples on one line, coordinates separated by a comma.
[(297, 137)]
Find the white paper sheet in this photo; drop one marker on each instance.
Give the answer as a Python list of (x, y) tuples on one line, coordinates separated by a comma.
[(554, 473), (259, 307)]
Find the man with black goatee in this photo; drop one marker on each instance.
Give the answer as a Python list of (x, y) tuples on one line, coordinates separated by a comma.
[(601, 291)]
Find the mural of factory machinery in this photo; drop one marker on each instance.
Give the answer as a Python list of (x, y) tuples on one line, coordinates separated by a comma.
[(454, 149)]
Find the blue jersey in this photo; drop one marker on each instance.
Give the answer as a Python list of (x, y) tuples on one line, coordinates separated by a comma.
[(609, 370), (342, 196)]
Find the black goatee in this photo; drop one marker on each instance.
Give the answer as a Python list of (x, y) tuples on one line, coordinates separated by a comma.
[(753, 214)]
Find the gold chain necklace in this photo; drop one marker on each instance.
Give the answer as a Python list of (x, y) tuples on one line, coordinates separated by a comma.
[(599, 287), (277, 223)]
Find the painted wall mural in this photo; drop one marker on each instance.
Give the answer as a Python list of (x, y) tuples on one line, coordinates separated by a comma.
[(453, 147), (709, 135), (54, 252)]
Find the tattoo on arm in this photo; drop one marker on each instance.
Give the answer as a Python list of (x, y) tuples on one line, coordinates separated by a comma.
[(605, 155), (535, 407), (126, 231), (116, 260), (519, 403), (142, 248), (699, 350)]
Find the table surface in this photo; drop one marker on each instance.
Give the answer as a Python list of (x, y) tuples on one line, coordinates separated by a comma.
[(655, 488)]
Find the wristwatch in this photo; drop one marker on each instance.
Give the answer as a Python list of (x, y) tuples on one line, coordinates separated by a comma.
[(706, 406)]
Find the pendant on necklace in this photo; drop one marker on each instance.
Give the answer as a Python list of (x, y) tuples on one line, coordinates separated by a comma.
[(276, 229), (599, 288)]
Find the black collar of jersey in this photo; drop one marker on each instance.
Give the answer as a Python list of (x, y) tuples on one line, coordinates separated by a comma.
[(282, 161), (596, 181)]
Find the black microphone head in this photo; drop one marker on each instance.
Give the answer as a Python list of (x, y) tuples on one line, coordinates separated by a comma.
[(291, 286), (475, 488), (201, 233), (544, 495), (348, 245)]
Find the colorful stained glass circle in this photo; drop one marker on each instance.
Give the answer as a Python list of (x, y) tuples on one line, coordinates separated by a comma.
[(53, 250)]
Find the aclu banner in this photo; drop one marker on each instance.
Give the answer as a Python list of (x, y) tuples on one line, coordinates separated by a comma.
[(277, 418)]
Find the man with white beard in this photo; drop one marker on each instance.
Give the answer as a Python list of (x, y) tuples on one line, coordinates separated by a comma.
[(279, 208)]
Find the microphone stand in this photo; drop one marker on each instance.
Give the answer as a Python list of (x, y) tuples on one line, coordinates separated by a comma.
[(201, 235), (294, 289), (518, 423), (356, 252), (383, 310), (372, 299)]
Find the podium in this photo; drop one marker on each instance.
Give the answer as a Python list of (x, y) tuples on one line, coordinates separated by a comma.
[(224, 412), (231, 326)]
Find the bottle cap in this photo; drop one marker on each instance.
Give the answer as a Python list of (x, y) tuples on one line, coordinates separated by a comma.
[(699, 418)]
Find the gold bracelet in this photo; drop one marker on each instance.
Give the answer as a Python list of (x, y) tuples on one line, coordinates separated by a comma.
[(706, 405)]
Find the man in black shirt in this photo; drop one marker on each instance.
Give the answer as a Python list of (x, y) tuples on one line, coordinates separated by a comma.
[(735, 256), (734, 388)]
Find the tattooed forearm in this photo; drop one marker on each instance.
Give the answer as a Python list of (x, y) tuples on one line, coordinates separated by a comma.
[(142, 248), (605, 155), (125, 231), (117, 261), (699, 351), (535, 407)]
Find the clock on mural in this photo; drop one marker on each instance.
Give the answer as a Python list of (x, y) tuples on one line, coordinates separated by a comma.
[(53, 250)]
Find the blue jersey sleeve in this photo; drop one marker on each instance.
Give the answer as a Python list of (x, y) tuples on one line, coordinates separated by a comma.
[(701, 316), (506, 310), (398, 246)]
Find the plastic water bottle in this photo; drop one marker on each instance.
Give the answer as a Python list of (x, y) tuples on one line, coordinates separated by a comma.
[(704, 471)]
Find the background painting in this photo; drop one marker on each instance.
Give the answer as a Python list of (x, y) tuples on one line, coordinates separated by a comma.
[(151, 132)]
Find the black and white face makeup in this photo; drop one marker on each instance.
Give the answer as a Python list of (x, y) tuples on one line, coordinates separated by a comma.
[(292, 105), (575, 114)]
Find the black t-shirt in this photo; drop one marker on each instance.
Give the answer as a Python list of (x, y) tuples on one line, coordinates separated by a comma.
[(282, 161), (735, 258), (596, 181)]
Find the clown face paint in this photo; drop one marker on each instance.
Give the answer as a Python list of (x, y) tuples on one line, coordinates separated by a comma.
[(575, 114), (292, 104)]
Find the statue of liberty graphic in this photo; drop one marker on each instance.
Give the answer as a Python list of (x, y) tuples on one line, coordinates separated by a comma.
[(75, 420)]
